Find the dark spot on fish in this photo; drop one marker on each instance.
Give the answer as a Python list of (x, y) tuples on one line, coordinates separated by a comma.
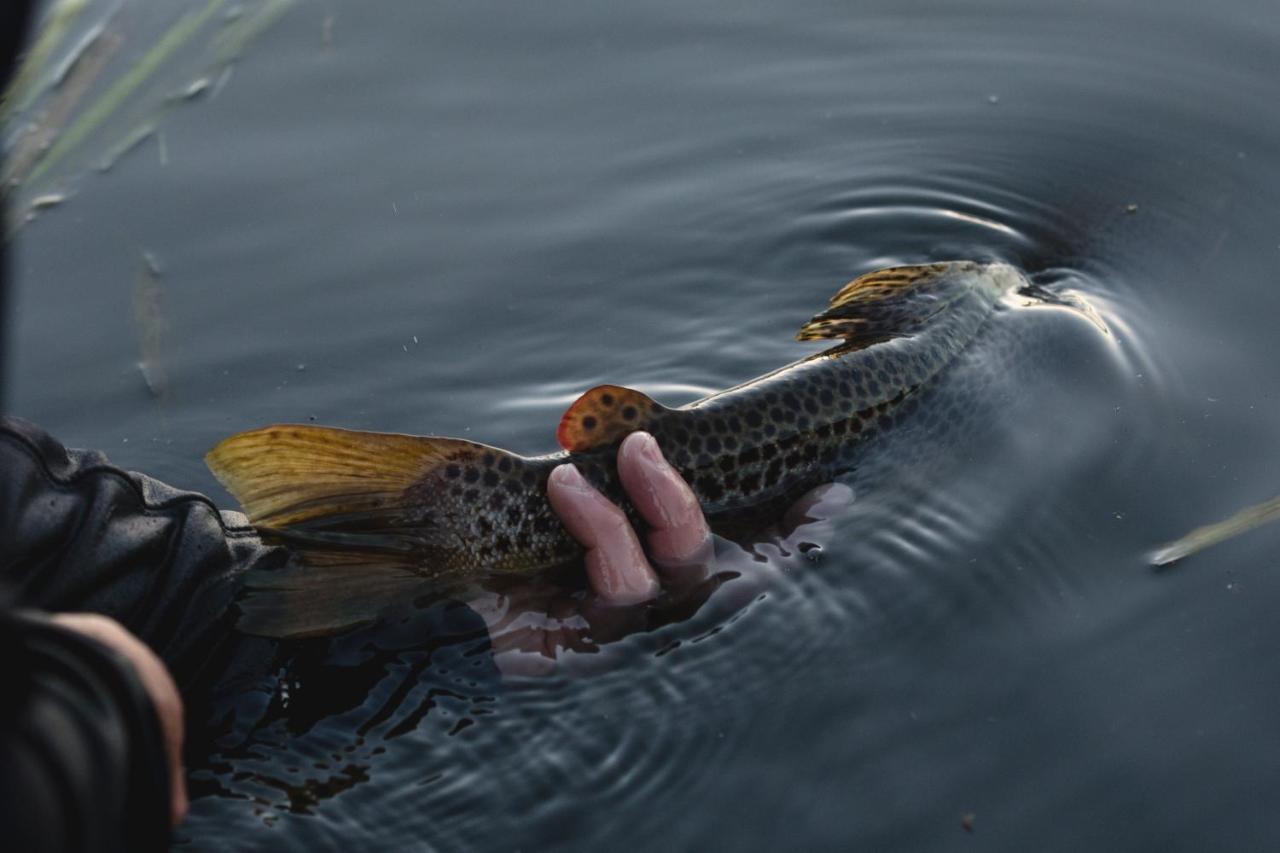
[(502, 542), (730, 443), (491, 478), (470, 495), (731, 480), (504, 464), (776, 414), (735, 425), (514, 515), (811, 405), (874, 387), (589, 423), (453, 471), (846, 390), (772, 473), (770, 430), (544, 524), (802, 423), (471, 475), (489, 459), (702, 426), (711, 488), (726, 463), (748, 456), (606, 398), (713, 444), (750, 483), (485, 525), (497, 500), (792, 460), (529, 478), (768, 451), (680, 434), (456, 491), (695, 444), (753, 419), (790, 400), (629, 413)]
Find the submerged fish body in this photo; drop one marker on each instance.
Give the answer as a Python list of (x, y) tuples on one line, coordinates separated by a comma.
[(450, 509)]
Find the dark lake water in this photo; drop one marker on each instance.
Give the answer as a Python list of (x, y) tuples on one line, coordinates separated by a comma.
[(451, 218)]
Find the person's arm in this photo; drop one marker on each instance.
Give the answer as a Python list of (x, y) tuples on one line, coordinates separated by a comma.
[(80, 534), (89, 704), (85, 761)]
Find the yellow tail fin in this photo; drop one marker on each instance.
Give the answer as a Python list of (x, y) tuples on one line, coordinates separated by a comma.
[(289, 474)]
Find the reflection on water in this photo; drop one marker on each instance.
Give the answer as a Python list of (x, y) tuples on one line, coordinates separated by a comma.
[(458, 217)]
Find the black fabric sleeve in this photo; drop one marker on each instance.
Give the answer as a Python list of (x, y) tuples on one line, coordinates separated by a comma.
[(84, 766), (80, 534)]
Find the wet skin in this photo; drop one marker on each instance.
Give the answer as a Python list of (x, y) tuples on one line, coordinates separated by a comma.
[(532, 625)]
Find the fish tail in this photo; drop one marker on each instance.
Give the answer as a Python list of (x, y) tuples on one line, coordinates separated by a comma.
[(328, 487)]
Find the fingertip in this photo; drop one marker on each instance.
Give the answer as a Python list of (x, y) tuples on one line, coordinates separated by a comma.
[(567, 475), (634, 441), (834, 494), (819, 505)]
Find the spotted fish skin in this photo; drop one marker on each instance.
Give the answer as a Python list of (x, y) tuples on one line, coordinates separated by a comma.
[(752, 449), (468, 509)]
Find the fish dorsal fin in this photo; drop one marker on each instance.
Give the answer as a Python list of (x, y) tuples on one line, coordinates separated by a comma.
[(294, 474), (886, 303), (605, 415)]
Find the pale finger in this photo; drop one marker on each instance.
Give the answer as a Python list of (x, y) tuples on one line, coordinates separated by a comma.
[(679, 538), (617, 567), (812, 515)]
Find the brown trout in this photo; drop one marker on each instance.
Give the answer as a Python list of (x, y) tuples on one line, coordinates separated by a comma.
[(450, 509)]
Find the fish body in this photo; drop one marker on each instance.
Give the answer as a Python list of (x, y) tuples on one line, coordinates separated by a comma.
[(450, 509)]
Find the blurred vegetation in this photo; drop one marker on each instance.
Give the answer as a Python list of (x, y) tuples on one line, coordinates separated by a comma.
[(98, 77)]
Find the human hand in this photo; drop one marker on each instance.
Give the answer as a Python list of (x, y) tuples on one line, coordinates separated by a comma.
[(158, 685), (532, 622)]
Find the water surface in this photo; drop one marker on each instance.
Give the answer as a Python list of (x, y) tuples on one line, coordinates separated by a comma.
[(451, 218)]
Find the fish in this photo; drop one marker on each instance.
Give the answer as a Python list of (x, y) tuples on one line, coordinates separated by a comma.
[(449, 510)]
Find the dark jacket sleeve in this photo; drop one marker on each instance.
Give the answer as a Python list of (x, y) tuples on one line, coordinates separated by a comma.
[(83, 766), (80, 534)]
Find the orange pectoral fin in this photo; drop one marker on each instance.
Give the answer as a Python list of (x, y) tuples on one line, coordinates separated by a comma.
[(605, 415)]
